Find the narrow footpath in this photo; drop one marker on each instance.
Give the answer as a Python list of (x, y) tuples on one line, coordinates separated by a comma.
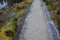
[(37, 28)]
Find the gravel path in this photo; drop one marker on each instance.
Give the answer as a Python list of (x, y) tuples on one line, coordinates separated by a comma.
[(37, 28)]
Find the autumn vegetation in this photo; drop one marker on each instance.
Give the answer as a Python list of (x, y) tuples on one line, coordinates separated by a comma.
[(54, 8), (9, 19)]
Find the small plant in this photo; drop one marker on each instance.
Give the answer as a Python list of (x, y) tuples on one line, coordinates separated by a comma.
[(9, 33)]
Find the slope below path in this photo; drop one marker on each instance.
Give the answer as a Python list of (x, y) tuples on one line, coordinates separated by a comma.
[(37, 28)]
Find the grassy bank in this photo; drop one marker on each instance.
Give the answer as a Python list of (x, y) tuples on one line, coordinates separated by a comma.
[(10, 25), (54, 8)]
